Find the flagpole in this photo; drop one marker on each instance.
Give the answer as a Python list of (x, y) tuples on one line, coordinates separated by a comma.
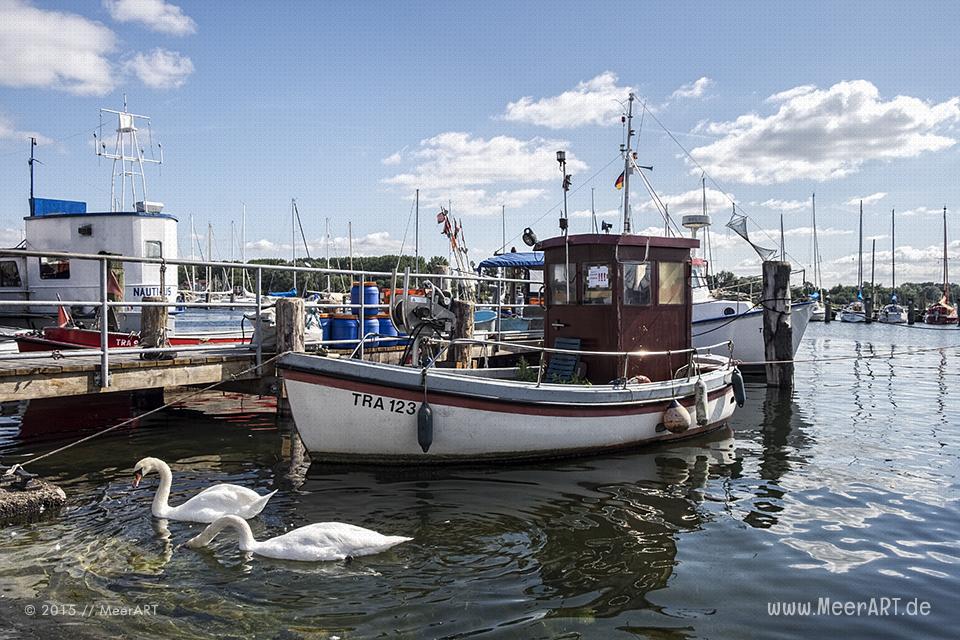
[(626, 167)]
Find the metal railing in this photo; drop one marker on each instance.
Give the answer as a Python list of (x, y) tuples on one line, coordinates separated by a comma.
[(260, 302)]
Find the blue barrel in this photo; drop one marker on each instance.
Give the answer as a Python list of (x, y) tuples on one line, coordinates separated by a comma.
[(325, 325), (371, 298), (371, 325), (343, 327), (387, 329)]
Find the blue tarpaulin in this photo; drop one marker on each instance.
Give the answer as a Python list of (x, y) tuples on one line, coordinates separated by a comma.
[(292, 293), (526, 260), (48, 207)]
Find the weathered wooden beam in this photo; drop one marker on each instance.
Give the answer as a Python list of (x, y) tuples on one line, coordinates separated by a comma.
[(291, 317), (460, 355), (777, 330)]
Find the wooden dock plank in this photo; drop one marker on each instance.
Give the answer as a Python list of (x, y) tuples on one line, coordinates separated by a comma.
[(45, 377)]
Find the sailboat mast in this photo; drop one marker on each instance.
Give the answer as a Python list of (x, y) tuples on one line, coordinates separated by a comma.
[(209, 256), (293, 236), (860, 253), (626, 166), (946, 285), (893, 248), (327, 244), (416, 235)]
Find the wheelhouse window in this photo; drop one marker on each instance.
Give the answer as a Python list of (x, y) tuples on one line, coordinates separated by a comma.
[(671, 283), (636, 283), (152, 249), (54, 269), (9, 274), (558, 284), (597, 287)]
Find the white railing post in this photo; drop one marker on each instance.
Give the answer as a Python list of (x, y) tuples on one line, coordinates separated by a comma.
[(104, 326)]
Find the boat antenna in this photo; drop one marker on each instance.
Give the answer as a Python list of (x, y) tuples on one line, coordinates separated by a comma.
[(562, 161), (627, 168), (593, 211), (32, 161)]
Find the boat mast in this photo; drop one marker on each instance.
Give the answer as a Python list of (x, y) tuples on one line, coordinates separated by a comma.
[(817, 278), (209, 256), (293, 236), (193, 256), (326, 241), (873, 263), (626, 166), (416, 234), (128, 160), (946, 285), (860, 254), (593, 211), (893, 249), (31, 162)]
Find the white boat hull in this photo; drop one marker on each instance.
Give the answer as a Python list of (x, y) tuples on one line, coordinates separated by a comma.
[(354, 417), (852, 316), (745, 329)]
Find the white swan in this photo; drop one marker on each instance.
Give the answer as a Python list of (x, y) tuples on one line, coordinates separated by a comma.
[(318, 542), (208, 505)]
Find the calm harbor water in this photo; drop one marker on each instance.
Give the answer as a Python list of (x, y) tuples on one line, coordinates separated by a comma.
[(846, 490)]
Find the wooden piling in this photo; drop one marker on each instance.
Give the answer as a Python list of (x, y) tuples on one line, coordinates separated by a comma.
[(911, 312), (291, 317), (777, 329), (827, 311), (153, 328), (459, 355)]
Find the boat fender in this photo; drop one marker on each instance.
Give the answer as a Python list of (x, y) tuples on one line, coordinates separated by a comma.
[(676, 418), (700, 395), (739, 390), (425, 426)]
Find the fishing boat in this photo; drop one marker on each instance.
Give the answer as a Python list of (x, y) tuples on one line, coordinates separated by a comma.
[(893, 312), (134, 226), (942, 312), (67, 337), (856, 310), (618, 371)]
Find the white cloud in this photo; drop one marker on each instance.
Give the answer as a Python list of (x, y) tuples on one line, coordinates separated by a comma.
[(693, 90), (782, 205), (920, 211), (914, 264), (874, 197), (459, 167), (824, 134), (606, 214), (372, 244), (9, 132), (691, 202), (55, 50), (596, 101), (160, 69), (156, 15), (394, 158), (10, 237)]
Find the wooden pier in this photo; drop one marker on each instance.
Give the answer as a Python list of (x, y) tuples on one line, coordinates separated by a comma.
[(78, 374)]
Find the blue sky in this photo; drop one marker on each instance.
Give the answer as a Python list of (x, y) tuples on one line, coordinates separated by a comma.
[(349, 107)]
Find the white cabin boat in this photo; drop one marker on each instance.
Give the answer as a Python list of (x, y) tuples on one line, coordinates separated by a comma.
[(135, 227)]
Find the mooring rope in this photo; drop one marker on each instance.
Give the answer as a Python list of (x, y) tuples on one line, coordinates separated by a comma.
[(232, 377)]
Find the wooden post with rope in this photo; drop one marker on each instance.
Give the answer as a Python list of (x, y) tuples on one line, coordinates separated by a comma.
[(459, 355), (153, 328), (777, 329), (291, 320)]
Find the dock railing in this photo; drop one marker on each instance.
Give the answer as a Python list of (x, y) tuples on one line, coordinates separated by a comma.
[(261, 300)]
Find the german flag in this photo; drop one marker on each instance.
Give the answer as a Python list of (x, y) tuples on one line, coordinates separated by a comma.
[(619, 183)]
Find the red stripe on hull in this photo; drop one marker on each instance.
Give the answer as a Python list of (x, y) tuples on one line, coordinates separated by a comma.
[(482, 404)]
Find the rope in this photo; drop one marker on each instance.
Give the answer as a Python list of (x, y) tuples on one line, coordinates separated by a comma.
[(152, 411), (890, 356)]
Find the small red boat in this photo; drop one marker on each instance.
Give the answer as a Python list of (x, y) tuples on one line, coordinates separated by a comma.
[(941, 313), (59, 338)]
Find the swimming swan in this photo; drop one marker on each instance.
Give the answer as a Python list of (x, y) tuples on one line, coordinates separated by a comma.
[(322, 541), (208, 505)]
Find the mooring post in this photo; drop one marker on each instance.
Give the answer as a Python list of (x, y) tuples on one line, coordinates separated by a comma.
[(868, 310), (827, 311), (291, 316), (777, 330), (153, 325), (911, 312), (459, 354)]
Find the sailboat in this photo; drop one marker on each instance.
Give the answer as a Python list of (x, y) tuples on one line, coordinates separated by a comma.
[(819, 311), (943, 312), (856, 311), (893, 312)]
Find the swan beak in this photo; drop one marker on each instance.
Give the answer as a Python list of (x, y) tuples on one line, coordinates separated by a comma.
[(137, 476)]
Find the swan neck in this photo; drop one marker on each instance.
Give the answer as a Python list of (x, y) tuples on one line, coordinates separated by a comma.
[(161, 501), (247, 541)]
